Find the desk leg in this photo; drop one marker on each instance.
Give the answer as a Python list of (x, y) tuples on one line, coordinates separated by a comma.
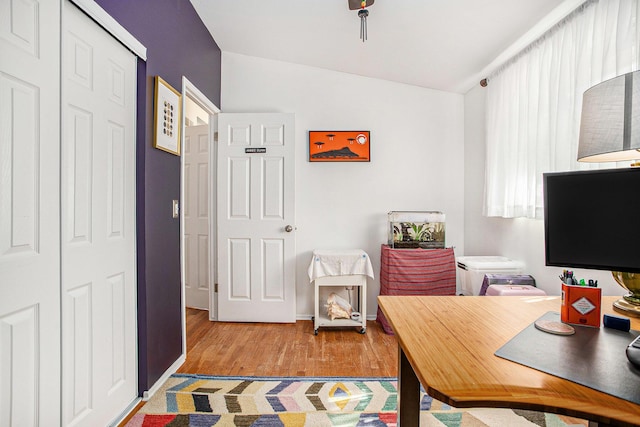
[(408, 393)]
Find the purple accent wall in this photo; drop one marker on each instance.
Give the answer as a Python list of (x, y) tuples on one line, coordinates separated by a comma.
[(177, 44)]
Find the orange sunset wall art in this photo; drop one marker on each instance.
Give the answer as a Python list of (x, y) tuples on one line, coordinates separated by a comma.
[(339, 146)]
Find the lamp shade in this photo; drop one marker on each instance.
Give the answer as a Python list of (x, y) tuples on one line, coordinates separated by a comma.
[(610, 121)]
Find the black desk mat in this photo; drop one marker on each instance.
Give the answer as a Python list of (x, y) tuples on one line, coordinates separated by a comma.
[(591, 357)]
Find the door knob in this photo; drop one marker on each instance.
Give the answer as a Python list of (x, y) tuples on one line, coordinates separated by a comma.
[(288, 229)]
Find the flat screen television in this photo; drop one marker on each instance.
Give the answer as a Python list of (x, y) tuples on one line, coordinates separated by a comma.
[(592, 219)]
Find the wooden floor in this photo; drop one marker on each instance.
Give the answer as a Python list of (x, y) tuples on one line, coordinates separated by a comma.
[(285, 349), (288, 349)]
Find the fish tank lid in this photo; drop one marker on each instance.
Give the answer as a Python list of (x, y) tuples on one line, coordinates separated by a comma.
[(416, 216)]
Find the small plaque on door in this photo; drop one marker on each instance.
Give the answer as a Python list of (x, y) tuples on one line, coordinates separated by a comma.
[(254, 150)]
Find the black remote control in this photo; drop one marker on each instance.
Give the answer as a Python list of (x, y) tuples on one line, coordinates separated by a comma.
[(633, 352)]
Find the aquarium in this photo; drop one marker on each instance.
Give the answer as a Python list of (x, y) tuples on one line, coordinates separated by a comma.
[(416, 229)]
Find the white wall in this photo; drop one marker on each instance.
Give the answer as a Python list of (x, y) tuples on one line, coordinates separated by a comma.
[(417, 146), (520, 239)]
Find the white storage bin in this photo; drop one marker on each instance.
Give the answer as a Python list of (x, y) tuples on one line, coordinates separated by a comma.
[(514, 290), (470, 271)]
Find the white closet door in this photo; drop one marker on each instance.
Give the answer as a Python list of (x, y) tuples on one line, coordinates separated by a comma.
[(29, 213), (99, 377)]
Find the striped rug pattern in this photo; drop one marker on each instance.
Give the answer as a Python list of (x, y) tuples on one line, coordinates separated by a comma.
[(198, 401)]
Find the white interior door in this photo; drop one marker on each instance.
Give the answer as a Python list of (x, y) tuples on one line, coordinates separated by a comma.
[(256, 253), (196, 216), (99, 377), (29, 213)]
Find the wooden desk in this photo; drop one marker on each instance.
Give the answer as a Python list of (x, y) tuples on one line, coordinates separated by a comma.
[(447, 343)]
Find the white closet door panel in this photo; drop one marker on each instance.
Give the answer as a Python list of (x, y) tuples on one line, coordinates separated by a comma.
[(116, 190), (19, 367), (29, 213), (117, 301), (20, 143), (98, 219), (20, 24), (79, 165), (79, 315)]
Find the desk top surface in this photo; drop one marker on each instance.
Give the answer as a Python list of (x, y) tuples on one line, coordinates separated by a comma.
[(450, 342)]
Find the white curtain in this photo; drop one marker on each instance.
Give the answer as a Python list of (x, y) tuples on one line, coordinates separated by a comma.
[(534, 101)]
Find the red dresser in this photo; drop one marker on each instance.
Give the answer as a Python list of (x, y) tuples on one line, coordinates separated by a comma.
[(415, 272)]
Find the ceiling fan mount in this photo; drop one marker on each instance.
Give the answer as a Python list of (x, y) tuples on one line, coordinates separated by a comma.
[(360, 4)]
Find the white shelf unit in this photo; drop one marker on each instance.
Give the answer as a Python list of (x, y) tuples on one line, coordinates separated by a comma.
[(321, 319)]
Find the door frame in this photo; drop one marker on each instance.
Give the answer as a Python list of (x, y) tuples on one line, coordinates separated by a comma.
[(190, 90)]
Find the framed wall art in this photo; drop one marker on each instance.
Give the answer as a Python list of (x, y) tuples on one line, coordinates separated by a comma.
[(167, 114), (339, 146)]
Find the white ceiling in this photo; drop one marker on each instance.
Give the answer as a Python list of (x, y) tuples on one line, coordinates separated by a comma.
[(439, 44)]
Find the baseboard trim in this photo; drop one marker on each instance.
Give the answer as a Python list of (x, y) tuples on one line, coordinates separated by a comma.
[(148, 394), (120, 418)]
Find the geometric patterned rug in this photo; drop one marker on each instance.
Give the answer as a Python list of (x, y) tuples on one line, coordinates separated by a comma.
[(199, 401)]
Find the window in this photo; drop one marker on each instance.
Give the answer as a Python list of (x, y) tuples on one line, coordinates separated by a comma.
[(534, 101)]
